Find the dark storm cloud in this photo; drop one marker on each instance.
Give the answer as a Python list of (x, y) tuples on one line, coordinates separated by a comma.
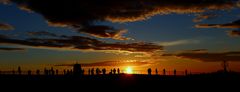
[(11, 49), (111, 64), (235, 24), (83, 14), (83, 43), (5, 26), (209, 57), (234, 33)]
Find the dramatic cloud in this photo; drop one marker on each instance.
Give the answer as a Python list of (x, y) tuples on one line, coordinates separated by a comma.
[(235, 24), (201, 17), (83, 43), (209, 57), (11, 49), (83, 15), (234, 33), (179, 42), (111, 64), (4, 26)]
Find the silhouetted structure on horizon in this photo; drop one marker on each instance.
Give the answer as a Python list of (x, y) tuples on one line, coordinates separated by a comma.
[(225, 66), (77, 69)]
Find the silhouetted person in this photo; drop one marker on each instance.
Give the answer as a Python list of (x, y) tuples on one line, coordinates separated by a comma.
[(68, 72), (111, 71), (52, 71), (29, 72), (57, 72), (13, 72), (82, 72), (186, 72), (89, 71), (175, 72), (71, 71), (45, 71), (149, 71), (64, 72), (118, 71), (104, 71), (38, 72), (156, 71), (164, 71), (92, 71), (114, 71), (97, 71), (19, 70)]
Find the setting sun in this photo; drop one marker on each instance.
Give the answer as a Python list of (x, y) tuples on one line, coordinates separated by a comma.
[(129, 70)]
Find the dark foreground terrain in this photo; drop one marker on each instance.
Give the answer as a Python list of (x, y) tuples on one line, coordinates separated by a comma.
[(201, 81)]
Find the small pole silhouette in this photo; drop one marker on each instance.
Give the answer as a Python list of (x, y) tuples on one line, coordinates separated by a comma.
[(225, 66)]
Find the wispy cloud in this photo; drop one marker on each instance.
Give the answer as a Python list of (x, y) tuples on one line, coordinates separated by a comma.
[(208, 57), (234, 24), (5, 26), (111, 64), (201, 17), (179, 42), (11, 49)]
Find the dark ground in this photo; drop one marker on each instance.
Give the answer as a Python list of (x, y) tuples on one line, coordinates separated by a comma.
[(123, 81)]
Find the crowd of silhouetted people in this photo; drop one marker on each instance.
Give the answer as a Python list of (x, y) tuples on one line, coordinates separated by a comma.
[(77, 71)]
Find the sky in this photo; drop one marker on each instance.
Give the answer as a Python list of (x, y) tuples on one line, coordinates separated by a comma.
[(196, 35)]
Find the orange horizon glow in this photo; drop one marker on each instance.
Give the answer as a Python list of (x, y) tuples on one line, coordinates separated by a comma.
[(129, 70)]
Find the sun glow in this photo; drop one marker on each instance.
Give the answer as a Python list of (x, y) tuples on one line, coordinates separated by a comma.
[(129, 70)]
